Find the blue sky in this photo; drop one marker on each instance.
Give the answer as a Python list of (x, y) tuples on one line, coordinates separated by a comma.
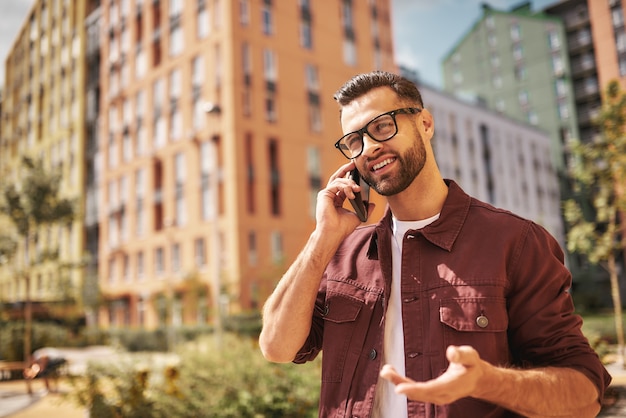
[(426, 30)]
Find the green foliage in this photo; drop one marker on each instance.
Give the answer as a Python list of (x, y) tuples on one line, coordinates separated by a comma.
[(235, 381), (599, 170), (36, 201)]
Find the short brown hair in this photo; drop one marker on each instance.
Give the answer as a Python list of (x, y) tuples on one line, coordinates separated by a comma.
[(361, 84)]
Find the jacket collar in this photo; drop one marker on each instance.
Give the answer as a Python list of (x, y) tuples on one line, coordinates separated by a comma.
[(442, 233)]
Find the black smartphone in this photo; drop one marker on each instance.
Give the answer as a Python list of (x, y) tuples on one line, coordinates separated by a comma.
[(361, 200)]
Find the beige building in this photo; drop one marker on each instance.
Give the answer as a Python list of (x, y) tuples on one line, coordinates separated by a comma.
[(42, 118)]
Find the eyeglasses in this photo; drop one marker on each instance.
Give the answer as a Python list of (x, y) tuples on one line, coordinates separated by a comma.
[(382, 128)]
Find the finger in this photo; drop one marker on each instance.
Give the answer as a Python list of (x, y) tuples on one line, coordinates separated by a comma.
[(389, 373), (342, 171)]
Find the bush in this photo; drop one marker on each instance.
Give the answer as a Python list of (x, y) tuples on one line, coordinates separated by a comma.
[(235, 381)]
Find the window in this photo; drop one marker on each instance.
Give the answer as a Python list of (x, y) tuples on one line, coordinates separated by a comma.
[(554, 40), (175, 257), (140, 190), (563, 111), (522, 97), (275, 208), (516, 32), (197, 79), (315, 177), (200, 252), (208, 167), (203, 21), (518, 52), (140, 266), (617, 16), (277, 247), (560, 87), (557, 65), (311, 77), (177, 40), (250, 181), (244, 12), (349, 52), (269, 65), (126, 268), (252, 249), (306, 36), (140, 63), (159, 268), (266, 19), (179, 168)]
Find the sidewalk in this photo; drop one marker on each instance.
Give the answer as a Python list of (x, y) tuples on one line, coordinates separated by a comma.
[(15, 402)]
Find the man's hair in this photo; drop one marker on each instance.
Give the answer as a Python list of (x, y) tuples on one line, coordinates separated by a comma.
[(361, 84)]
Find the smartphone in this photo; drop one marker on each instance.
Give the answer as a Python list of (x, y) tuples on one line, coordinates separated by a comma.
[(361, 200)]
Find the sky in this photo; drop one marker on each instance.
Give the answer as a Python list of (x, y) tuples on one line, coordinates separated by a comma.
[(424, 30)]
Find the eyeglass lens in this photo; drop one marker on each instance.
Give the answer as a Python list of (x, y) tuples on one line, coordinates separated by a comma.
[(382, 128)]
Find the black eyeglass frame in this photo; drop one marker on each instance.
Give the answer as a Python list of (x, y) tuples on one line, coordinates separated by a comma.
[(364, 129)]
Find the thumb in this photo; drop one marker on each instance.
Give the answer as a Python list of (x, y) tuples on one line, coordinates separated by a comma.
[(464, 354)]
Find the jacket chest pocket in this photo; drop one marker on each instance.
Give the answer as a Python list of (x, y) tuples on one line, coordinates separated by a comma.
[(480, 322), (340, 319)]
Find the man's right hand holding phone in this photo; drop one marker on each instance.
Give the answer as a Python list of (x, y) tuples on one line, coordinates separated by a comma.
[(331, 216)]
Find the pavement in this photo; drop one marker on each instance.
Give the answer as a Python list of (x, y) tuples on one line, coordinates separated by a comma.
[(15, 402)]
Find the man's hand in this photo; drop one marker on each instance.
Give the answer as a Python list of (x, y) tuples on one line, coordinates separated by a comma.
[(331, 216), (459, 380)]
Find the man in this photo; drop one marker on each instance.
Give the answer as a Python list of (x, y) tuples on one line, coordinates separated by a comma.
[(447, 307), (46, 363)]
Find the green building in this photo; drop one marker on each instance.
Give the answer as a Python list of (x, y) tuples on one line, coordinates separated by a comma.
[(516, 62)]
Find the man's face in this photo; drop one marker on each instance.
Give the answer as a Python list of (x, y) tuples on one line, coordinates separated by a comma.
[(388, 167)]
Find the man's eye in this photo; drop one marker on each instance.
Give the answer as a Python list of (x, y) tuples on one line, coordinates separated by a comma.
[(353, 141)]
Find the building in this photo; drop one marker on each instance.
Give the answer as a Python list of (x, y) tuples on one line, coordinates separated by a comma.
[(216, 132), (205, 134), (42, 118), (596, 39), (516, 62), (496, 159)]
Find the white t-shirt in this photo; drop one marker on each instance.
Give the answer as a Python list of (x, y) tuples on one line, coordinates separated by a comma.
[(387, 402)]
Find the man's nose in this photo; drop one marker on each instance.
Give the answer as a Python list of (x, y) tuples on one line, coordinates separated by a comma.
[(369, 145)]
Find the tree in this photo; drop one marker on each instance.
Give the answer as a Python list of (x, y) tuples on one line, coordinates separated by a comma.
[(30, 205), (598, 169)]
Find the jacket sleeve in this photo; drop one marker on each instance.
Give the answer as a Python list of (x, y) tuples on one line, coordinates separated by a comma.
[(543, 328)]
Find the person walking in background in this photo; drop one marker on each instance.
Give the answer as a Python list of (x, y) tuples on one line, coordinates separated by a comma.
[(446, 307), (46, 363)]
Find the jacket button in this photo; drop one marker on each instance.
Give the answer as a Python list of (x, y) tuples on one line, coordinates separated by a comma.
[(482, 321), (373, 354)]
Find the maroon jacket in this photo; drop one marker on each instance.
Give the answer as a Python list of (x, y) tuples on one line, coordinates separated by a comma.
[(477, 276)]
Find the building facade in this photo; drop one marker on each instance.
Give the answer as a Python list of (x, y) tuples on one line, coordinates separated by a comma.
[(200, 133), (596, 40), (516, 62), (42, 118), (496, 159), (216, 132)]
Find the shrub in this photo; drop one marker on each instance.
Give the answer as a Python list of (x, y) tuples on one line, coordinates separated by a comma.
[(207, 381)]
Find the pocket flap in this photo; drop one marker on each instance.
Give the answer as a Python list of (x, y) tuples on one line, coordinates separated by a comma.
[(341, 309), (474, 314)]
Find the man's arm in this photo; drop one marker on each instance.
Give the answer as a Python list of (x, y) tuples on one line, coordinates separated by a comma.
[(288, 312), (542, 392)]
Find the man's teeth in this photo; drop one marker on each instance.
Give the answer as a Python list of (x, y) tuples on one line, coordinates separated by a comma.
[(382, 164)]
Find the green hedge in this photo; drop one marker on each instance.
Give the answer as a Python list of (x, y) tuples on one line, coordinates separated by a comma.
[(207, 381)]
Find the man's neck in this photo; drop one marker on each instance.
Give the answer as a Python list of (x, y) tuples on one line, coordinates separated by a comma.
[(423, 199)]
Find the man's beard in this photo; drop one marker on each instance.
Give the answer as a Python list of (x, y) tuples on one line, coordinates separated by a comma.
[(411, 164)]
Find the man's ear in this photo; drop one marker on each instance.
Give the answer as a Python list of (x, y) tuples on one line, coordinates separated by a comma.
[(427, 123)]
